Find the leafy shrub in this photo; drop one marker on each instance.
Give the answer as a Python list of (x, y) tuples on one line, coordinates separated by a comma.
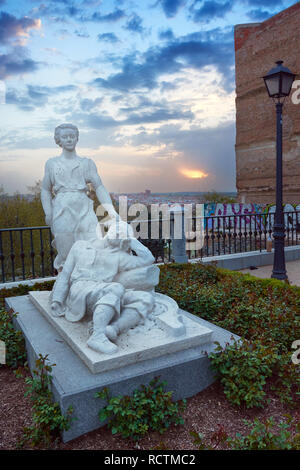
[(48, 421), (244, 369), (148, 409), (265, 313), (263, 436), (23, 289), (13, 339), (296, 438), (217, 438)]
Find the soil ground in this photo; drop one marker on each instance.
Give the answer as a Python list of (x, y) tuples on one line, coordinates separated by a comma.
[(208, 412)]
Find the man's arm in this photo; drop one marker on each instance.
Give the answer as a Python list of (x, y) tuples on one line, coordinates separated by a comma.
[(46, 195), (144, 256)]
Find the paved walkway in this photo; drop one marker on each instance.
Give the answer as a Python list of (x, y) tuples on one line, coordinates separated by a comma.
[(292, 267)]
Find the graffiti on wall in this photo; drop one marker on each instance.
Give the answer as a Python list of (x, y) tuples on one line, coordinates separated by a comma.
[(263, 220)]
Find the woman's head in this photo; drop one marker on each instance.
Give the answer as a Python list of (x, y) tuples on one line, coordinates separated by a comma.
[(64, 128)]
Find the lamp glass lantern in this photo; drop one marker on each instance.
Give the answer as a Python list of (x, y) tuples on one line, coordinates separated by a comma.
[(279, 81)]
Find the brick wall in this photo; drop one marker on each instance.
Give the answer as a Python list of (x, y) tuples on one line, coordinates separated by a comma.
[(257, 47)]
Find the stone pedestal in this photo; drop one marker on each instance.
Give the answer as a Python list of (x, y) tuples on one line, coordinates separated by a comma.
[(186, 370), (163, 333)]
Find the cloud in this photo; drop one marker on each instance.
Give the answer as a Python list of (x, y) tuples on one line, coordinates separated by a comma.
[(142, 102), (263, 3), (166, 34), (52, 90), (52, 12), (263, 9), (26, 102), (156, 116), (81, 34), (209, 10), (153, 159), (35, 96), (135, 116), (12, 27), (92, 2), (259, 15), (209, 150), (171, 7), (108, 37), (73, 11), (15, 62), (96, 121), (134, 24), (87, 104), (65, 2), (62, 10), (53, 51), (197, 51), (97, 17)]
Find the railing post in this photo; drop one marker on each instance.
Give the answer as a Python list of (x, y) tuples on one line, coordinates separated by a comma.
[(178, 239), (2, 259)]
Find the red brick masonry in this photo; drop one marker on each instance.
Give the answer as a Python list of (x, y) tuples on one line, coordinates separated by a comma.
[(257, 47)]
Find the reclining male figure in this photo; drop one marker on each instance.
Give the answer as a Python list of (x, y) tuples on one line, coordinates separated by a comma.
[(86, 286)]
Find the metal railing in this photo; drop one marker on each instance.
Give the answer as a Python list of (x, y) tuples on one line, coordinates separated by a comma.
[(243, 233), (27, 253)]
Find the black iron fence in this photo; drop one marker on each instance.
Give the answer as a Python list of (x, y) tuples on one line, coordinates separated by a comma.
[(225, 235), (27, 253)]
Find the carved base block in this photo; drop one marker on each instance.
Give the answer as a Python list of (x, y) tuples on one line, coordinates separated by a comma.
[(163, 333)]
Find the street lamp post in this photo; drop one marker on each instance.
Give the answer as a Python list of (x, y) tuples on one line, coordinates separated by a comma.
[(279, 270), (279, 82)]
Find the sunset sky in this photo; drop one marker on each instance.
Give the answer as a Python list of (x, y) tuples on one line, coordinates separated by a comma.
[(149, 83)]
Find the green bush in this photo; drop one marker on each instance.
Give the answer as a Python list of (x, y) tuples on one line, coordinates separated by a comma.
[(23, 289), (148, 409), (13, 339), (47, 418), (265, 313), (245, 367), (264, 436)]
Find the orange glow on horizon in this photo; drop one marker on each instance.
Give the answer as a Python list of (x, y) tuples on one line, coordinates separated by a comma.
[(194, 174)]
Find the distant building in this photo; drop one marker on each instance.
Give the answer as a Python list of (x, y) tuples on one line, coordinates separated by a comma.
[(257, 47)]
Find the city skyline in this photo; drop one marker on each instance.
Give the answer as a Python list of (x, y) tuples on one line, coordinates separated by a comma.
[(150, 86)]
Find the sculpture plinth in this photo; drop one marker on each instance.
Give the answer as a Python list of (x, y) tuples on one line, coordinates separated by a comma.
[(163, 332)]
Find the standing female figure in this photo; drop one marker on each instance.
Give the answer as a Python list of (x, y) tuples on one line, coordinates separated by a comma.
[(68, 209)]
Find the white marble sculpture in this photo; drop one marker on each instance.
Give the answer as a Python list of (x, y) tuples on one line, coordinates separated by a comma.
[(68, 209), (107, 282), (89, 284)]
